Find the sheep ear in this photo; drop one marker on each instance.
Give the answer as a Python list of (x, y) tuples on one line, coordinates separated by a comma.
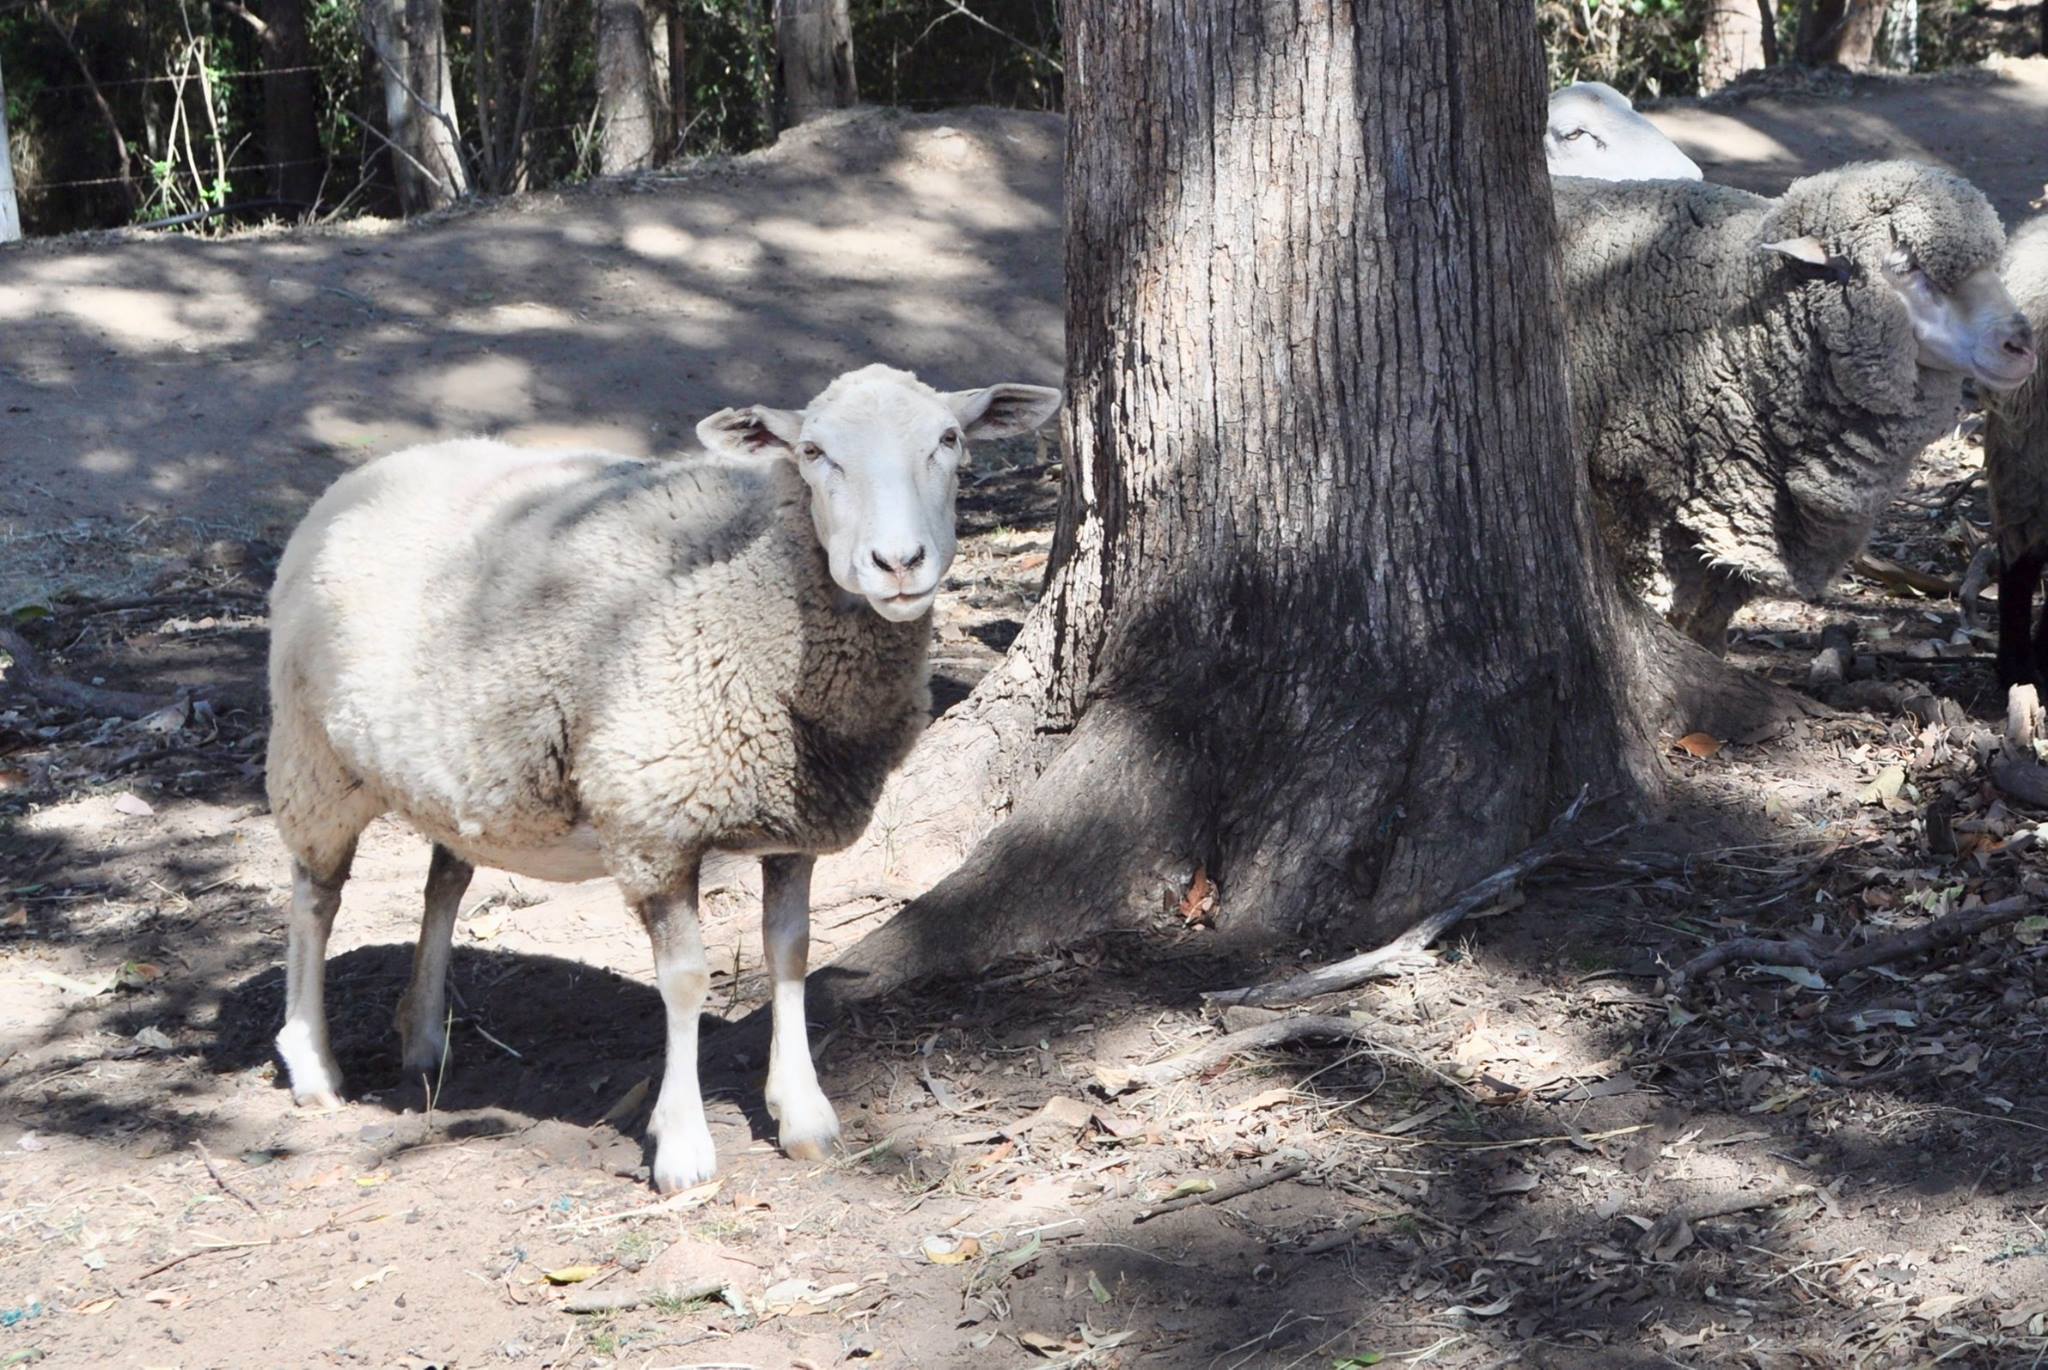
[(750, 432), (1811, 256), (1002, 411), (1808, 250)]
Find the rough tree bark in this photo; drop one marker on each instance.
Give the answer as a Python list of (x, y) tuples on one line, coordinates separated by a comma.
[(1327, 618), (10, 211), (814, 49), (291, 129), (1733, 42), (678, 76), (407, 41), (1840, 31), (625, 88)]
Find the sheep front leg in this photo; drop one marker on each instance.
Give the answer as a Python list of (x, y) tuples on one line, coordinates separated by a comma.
[(308, 1060), (683, 1153), (423, 1011), (806, 1125)]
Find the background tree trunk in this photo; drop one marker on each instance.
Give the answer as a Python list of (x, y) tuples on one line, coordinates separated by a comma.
[(291, 130), (407, 41), (1840, 31), (1733, 42), (814, 48), (625, 88), (678, 76), (1324, 619), (10, 210)]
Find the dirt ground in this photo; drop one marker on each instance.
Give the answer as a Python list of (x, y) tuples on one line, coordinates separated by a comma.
[(1546, 1154)]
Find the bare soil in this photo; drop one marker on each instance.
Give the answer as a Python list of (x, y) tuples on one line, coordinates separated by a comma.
[(1483, 1186)]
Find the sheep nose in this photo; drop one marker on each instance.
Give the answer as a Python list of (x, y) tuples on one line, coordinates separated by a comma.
[(899, 565)]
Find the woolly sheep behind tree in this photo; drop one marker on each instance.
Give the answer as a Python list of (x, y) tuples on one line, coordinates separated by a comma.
[(571, 664), (2016, 467), (1752, 378), (1593, 131)]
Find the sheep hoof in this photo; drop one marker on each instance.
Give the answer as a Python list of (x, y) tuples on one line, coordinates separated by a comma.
[(682, 1163), (324, 1100), (807, 1151), (807, 1129), (425, 1059)]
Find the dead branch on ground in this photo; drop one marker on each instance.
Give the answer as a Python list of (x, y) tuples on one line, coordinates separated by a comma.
[(29, 675), (1772, 951)]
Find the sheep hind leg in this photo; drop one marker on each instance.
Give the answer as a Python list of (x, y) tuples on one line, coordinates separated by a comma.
[(308, 1059), (1704, 598), (806, 1126), (2020, 651), (422, 1011), (683, 1153)]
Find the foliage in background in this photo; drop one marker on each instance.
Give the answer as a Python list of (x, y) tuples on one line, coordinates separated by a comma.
[(180, 81)]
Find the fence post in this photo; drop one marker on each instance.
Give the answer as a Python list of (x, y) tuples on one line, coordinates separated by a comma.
[(10, 213)]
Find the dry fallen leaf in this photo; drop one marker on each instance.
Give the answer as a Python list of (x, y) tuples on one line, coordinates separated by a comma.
[(366, 1281), (1200, 899), (1701, 745), (1059, 1112), (572, 1274), (1889, 782), (132, 805), (628, 1102), (942, 1250)]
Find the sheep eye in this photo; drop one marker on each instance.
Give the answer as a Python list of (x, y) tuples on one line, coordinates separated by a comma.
[(810, 451), (950, 438), (1575, 135)]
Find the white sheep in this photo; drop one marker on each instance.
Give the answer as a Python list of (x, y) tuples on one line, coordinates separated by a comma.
[(571, 664), (1593, 131), (2016, 469), (1752, 378)]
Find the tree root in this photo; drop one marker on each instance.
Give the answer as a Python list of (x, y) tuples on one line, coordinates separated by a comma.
[(1772, 951), (29, 675), (1404, 954)]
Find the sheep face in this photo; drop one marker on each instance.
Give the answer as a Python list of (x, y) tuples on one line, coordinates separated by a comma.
[(1594, 132), (881, 452), (1974, 328)]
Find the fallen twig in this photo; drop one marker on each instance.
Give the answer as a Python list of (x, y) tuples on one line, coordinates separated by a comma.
[(206, 1159), (201, 1251), (1773, 951), (1223, 1193), (29, 675), (1717, 1206), (625, 1300), (1894, 576), (1405, 952)]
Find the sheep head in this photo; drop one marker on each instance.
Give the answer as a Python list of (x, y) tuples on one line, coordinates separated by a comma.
[(1930, 242), (881, 452), (1593, 131)]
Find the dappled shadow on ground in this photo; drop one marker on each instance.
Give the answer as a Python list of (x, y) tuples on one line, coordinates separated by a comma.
[(1764, 135)]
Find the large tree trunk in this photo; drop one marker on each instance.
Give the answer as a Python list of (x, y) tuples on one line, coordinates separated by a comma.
[(408, 43), (1733, 42), (625, 88), (814, 48), (1327, 618), (10, 211), (291, 129)]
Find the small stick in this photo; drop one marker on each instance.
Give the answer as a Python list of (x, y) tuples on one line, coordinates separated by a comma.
[(29, 675), (206, 1159), (1772, 951), (1224, 1193), (1720, 1206), (1278, 1032), (1404, 951), (625, 1300), (1895, 576), (202, 1251)]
